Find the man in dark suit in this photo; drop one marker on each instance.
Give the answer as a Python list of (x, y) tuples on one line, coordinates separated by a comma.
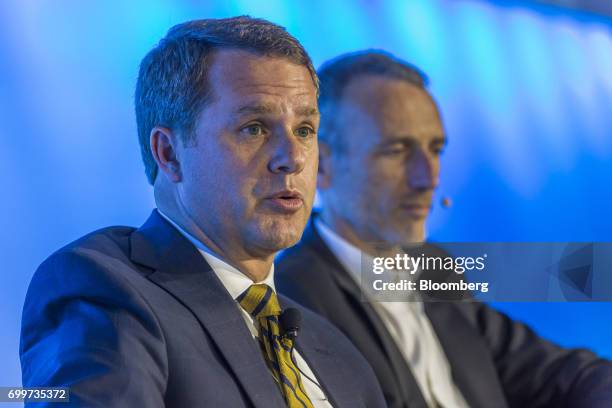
[(182, 311), (380, 140)]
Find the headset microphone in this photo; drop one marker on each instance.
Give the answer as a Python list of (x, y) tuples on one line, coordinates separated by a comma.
[(446, 202)]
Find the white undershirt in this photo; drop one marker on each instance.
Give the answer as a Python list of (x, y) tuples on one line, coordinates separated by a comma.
[(236, 282), (409, 327)]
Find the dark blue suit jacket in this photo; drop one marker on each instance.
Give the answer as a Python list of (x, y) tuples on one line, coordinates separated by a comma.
[(495, 362), (137, 318)]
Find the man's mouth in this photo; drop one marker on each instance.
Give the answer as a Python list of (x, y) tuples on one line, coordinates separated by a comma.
[(287, 201), (416, 209)]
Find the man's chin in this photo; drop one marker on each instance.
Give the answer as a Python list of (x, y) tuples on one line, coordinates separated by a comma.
[(279, 234), (409, 236), (276, 243)]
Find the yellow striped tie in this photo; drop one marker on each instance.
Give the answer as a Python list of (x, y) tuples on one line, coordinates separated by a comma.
[(261, 303)]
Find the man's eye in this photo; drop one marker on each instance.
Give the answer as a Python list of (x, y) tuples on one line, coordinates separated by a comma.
[(437, 150), (304, 132), (393, 150), (253, 130)]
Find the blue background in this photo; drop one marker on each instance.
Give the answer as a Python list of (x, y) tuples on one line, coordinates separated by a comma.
[(526, 94)]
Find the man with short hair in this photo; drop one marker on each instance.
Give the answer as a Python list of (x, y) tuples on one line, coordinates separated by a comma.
[(380, 141), (182, 312)]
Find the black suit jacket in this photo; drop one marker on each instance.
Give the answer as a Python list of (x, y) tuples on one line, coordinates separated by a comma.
[(137, 318), (495, 362)]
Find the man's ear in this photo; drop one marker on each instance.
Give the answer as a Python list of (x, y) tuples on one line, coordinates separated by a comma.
[(324, 174), (163, 143)]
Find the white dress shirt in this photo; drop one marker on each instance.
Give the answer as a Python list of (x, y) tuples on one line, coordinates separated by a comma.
[(236, 282), (409, 327)]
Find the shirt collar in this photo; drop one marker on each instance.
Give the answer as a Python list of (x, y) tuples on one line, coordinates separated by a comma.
[(348, 254), (234, 281), (351, 257)]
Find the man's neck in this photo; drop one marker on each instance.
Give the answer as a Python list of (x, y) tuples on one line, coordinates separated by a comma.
[(255, 268), (346, 232)]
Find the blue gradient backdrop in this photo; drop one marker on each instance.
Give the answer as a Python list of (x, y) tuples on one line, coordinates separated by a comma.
[(526, 95)]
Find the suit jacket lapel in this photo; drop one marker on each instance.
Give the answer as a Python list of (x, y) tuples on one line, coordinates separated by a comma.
[(471, 372), (460, 346), (408, 384), (182, 271)]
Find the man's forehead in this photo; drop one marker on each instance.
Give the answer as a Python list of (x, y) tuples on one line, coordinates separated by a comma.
[(243, 71), (374, 90), (391, 110), (382, 96)]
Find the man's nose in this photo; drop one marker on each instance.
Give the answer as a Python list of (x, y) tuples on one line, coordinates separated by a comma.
[(423, 170), (288, 154)]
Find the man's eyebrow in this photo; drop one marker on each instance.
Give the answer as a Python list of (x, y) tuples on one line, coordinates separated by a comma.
[(410, 138), (440, 139), (263, 109), (307, 111)]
